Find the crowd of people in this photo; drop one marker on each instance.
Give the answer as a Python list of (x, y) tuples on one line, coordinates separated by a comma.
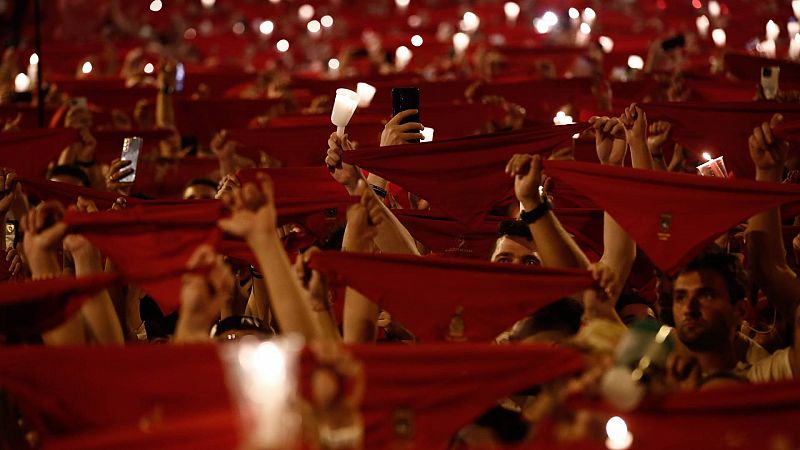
[(586, 235)]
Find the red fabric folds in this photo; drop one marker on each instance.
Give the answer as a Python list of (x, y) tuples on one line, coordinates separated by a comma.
[(462, 177), (140, 397), (720, 128), (670, 216), (32, 307), (68, 194), (491, 296), (29, 152), (440, 388), (150, 245)]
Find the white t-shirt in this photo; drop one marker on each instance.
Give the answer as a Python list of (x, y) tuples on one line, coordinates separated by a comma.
[(775, 367)]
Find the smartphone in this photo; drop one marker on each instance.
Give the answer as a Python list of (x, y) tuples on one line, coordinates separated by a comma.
[(406, 98), (769, 81), (180, 74), (672, 43), (131, 147), (11, 234)]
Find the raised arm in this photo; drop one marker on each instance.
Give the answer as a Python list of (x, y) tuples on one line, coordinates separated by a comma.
[(611, 141), (554, 245), (392, 236), (206, 286), (360, 314), (766, 255), (98, 312), (253, 218)]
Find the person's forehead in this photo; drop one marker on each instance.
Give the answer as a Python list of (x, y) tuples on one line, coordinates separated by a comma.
[(697, 279), (514, 245)]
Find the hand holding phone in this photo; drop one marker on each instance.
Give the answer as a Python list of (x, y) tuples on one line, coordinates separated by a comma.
[(404, 99), (131, 147), (11, 227)]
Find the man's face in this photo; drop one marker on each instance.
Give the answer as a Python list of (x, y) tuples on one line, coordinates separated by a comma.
[(516, 250), (705, 318), (199, 192)]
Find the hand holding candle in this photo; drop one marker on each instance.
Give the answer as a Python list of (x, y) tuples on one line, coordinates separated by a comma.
[(343, 108)]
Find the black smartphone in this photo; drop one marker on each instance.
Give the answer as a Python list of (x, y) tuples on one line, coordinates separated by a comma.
[(672, 43), (406, 98)]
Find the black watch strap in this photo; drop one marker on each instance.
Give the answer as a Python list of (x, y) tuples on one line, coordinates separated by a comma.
[(536, 213)]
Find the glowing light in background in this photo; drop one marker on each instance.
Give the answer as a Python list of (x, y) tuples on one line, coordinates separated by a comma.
[(326, 21), (333, 64), (719, 37), (416, 40), (305, 12), (619, 438), (313, 26), (86, 68), (148, 68), (22, 83), (156, 5), (511, 10), (282, 45), (266, 27), (635, 62), (607, 43), (703, 24)]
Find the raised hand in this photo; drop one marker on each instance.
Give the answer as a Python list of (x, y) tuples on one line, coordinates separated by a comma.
[(253, 213), (395, 134), (222, 147), (527, 173), (118, 170), (345, 174), (75, 244), (658, 133), (362, 220), (607, 132), (16, 266), (206, 286), (313, 282), (43, 231), (8, 190), (227, 184), (635, 121), (767, 152)]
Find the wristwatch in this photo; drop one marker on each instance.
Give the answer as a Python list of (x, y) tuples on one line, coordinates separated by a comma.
[(536, 213)]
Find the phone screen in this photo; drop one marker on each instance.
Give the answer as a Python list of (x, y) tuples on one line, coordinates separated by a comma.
[(180, 74), (403, 99), (131, 147), (769, 81)]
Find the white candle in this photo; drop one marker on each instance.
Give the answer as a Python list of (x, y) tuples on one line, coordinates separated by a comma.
[(607, 43), (343, 108), (719, 37), (470, 22), (702, 25), (773, 30), (635, 62), (512, 12), (401, 57), (427, 135), (766, 48), (22, 83), (589, 15), (714, 9), (794, 47), (460, 43), (305, 12), (402, 4), (793, 27), (365, 93)]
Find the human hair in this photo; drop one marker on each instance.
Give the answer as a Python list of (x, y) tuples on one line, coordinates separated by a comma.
[(562, 315), (202, 182), (511, 228), (70, 170), (726, 265)]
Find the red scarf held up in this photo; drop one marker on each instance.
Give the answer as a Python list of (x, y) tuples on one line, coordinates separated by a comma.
[(462, 177), (443, 235), (33, 307), (720, 128), (439, 388), (425, 293), (28, 152), (671, 216), (170, 394), (150, 396), (150, 245)]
